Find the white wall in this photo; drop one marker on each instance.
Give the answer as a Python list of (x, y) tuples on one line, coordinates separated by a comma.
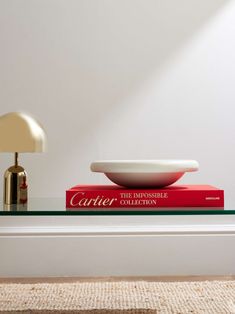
[(121, 79)]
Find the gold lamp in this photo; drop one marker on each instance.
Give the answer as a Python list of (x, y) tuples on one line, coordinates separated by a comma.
[(19, 133)]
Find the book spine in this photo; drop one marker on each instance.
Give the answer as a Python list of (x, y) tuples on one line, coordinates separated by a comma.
[(143, 199)]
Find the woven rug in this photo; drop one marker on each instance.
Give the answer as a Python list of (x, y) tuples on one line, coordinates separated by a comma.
[(139, 297)]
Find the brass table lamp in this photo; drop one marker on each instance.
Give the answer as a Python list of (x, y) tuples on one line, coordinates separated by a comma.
[(19, 133)]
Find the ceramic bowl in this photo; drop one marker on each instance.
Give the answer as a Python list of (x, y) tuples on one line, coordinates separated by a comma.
[(144, 173)]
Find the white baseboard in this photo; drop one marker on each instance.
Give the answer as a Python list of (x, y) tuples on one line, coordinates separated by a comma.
[(39, 246)]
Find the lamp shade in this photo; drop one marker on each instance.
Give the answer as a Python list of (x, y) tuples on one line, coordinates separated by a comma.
[(19, 132)]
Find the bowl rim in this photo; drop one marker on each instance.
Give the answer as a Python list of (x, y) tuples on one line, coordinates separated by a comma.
[(145, 166)]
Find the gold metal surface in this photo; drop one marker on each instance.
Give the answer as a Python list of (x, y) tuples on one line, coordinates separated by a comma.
[(15, 184)]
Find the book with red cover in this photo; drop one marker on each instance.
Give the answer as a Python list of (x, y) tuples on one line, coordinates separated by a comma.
[(113, 196)]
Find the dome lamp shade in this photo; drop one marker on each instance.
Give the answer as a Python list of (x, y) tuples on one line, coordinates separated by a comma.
[(20, 132)]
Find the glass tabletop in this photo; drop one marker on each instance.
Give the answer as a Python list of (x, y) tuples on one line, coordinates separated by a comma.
[(56, 206)]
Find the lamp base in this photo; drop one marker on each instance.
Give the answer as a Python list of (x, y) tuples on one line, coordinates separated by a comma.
[(15, 186)]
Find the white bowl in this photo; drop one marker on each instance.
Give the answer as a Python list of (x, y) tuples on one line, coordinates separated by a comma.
[(144, 173)]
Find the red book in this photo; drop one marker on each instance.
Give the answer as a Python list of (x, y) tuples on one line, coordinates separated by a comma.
[(113, 196)]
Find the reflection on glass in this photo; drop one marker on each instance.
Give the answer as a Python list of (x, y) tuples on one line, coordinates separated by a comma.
[(15, 207), (57, 206)]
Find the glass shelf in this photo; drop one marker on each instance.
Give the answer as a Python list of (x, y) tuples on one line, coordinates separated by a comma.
[(56, 207)]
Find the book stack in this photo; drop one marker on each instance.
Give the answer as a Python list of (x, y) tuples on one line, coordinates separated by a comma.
[(144, 185), (117, 198)]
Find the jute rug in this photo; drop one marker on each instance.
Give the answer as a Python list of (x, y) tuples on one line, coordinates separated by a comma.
[(139, 297)]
